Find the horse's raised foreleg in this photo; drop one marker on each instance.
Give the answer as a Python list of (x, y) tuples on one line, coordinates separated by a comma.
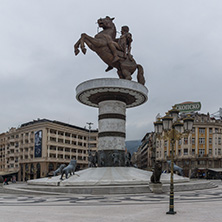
[(82, 41), (76, 47), (93, 43)]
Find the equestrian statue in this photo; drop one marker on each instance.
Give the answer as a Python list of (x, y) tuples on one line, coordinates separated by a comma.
[(115, 52)]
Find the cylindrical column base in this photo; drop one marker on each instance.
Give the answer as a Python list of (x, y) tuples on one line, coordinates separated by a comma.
[(111, 137), (112, 97), (111, 158)]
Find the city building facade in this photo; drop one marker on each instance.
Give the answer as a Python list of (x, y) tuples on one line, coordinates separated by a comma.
[(37, 148), (145, 156), (198, 152)]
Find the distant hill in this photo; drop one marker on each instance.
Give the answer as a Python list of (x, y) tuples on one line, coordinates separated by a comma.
[(132, 145)]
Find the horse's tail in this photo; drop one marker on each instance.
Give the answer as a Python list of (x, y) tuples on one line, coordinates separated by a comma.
[(140, 76)]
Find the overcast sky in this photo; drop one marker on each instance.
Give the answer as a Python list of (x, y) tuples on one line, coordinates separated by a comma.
[(179, 44)]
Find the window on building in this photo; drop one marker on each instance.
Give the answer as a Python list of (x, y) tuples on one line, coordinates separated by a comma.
[(201, 140), (157, 144), (60, 140), (201, 130), (67, 141), (92, 138), (52, 148), (210, 140), (60, 156), (180, 142), (185, 141), (219, 140), (210, 151), (179, 152), (219, 151), (193, 151), (210, 130), (201, 152), (193, 141), (216, 130), (52, 155), (53, 139), (60, 148), (60, 133), (165, 153), (52, 131), (185, 151)]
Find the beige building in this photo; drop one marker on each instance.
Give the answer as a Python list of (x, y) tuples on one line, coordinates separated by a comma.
[(198, 153), (201, 149), (37, 148)]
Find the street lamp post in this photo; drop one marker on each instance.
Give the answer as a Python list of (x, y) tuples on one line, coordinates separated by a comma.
[(90, 127), (173, 129), (89, 124)]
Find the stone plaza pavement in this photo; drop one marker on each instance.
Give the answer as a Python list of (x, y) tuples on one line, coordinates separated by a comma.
[(198, 205)]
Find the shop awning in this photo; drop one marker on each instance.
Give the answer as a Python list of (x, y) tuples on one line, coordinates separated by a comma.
[(8, 173), (215, 169)]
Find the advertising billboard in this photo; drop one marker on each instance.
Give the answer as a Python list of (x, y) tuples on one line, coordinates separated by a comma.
[(38, 143)]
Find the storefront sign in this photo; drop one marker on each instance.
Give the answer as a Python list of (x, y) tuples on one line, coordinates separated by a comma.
[(188, 106)]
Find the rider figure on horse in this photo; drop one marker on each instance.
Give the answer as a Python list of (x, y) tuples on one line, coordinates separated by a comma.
[(114, 52), (122, 44)]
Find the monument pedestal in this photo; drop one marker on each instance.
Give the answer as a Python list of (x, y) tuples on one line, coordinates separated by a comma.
[(112, 97)]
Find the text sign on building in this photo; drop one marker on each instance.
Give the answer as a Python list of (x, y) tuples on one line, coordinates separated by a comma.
[(38, 143), (188, 106)]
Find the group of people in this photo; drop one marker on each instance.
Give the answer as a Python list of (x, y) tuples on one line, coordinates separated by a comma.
[(7, 179)]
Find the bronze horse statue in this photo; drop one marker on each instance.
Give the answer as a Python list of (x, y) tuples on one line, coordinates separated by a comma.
[(125, 66)]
